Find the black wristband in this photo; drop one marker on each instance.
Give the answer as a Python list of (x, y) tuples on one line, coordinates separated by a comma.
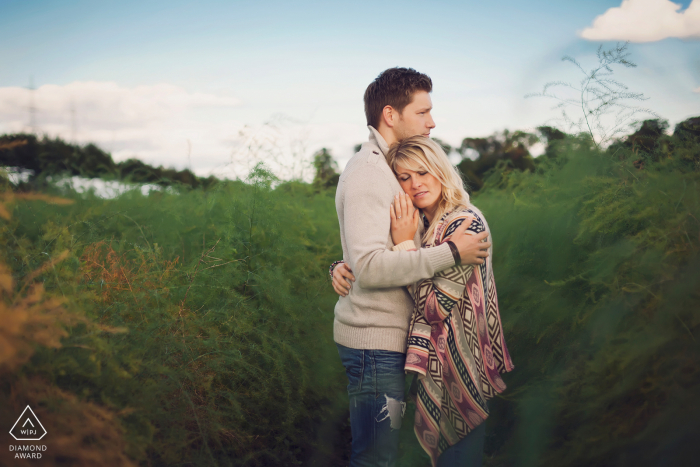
[(455, 253)]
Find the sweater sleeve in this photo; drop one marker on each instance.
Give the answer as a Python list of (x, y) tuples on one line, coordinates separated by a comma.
[(366, 227), (437, 296)]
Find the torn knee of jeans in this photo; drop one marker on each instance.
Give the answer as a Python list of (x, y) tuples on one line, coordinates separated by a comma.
[(394, 410)]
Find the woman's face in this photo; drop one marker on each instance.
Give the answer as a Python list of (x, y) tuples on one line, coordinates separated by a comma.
[(424, 189)]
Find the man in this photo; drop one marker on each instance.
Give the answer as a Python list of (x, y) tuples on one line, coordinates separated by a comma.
[(372, 315)]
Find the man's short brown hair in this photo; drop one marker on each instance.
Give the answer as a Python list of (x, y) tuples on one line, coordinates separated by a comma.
[(394, 87)]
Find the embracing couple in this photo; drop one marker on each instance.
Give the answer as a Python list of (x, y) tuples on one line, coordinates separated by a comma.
[(417, 294)]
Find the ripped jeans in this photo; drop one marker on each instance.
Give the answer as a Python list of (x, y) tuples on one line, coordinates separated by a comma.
[(376, 392)]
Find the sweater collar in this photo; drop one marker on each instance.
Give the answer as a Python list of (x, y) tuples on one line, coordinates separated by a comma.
[(376, 138)]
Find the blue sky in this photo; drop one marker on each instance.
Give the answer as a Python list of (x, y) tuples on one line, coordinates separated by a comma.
[(304, 65)]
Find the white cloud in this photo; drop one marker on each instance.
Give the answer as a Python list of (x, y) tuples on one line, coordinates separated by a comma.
[(646, 21), (153, 123), (162, 124), (696, 90)]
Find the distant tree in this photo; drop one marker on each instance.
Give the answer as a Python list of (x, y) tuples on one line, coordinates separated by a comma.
[(688, 131), (44, 157), (326, 169), (505, 149), (137, 171), (13, 154), (185, 177), (54, 156), (686, 137), (550, 135), (445, 147), (648, 135), (93, 161)]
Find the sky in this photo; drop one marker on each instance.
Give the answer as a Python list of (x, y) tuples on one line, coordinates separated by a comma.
[(218, 85)]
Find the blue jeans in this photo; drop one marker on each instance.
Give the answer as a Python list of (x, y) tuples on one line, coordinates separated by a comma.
[(468, 452), (376, 392)]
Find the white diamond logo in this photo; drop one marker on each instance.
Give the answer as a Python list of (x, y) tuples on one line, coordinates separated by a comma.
[(28, 427)]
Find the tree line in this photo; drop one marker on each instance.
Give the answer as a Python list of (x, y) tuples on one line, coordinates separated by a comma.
[(504, 150), (45, 157)]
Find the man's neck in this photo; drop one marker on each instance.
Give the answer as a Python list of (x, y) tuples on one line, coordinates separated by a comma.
[(387, 133)]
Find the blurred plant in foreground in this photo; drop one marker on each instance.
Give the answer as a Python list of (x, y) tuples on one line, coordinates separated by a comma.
[(33, 320)]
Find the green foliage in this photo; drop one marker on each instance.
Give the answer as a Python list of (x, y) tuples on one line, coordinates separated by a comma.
[(502, 150), (597, 264), (228, 358), (445, 147), (551, 135), (326, 169), (687, 138), (47, 157), (597, 268)]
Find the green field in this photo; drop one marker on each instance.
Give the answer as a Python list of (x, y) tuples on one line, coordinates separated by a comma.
[(194, 326)]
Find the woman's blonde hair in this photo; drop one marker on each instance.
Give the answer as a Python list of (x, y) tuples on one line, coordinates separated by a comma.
[(418, 154)]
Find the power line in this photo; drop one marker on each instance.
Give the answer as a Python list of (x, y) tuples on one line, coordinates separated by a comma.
[(73, 122), (32, 107)]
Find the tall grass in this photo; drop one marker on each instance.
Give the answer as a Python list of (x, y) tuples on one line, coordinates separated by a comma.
[(201, 329), (225, 298), (597, 270), (598, 277)]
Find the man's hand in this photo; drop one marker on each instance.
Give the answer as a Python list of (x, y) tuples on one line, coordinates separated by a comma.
[(472, 248), (342, 275)]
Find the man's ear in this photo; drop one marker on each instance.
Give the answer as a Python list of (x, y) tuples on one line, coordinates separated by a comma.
[(389, 115)]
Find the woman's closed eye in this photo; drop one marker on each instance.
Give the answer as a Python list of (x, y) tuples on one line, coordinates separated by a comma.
[(408, 177)]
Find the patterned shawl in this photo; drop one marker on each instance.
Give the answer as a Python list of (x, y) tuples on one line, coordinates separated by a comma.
[(455, 344)]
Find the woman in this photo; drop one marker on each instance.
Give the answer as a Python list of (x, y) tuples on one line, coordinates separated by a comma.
[(455, 342)]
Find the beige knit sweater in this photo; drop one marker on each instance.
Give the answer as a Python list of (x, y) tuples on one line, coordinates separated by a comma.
[(376, 312)]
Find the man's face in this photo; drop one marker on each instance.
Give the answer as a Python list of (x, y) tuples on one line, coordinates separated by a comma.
[(415, 118)]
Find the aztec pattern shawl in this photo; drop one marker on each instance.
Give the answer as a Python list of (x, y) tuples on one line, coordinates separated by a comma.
[(455, 344)]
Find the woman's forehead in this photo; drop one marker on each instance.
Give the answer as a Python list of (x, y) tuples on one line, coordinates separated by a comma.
[(409, 166)]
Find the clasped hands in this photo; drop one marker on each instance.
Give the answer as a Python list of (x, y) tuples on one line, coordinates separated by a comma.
[(473, 249)]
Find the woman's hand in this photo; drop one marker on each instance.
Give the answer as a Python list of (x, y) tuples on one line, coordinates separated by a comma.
[(342, 277), (404, 219)]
